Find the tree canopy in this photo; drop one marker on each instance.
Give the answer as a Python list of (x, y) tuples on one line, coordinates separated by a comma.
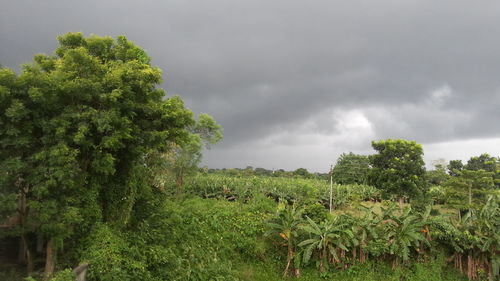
[(351, 169), (398, 167), (469, 189), (76, 130)]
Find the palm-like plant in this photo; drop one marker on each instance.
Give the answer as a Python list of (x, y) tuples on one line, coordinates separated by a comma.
[(327, 238), (365, 230), (286, 225), (489, 234), (483, 244), (429, 225), (403, 232)]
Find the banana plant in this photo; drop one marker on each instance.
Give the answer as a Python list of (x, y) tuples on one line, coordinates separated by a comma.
[(484, 227), (403, 233), (325, 238), (286, 225), (365, 229), (489, 233), (429, 225)]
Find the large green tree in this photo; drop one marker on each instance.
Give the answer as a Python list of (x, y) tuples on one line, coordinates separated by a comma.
[(469, 189), (351, 169), (76, 128), (302, 172), (487, 163), (454, 167), (482, 162), (398, 168)]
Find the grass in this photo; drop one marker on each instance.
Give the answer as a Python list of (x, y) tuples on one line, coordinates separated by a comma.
[(432, 271)]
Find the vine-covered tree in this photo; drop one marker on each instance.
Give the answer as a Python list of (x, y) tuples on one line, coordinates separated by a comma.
[(75, 130)]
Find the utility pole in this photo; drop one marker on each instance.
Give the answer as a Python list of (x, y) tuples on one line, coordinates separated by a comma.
[(331, 188), (470, 196)]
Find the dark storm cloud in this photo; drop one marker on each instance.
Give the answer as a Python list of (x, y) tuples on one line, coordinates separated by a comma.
[(284, 68)]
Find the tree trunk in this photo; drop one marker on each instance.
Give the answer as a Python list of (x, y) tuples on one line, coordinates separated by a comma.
[(296, 272), (289, 257), (470, 266), (394, 263), (322, 262), (39, 243), (27, 254), (50, 259), (460, 266), (489, 265), (180, 178), (21, 254), (21, 210), (401, 202), (81, 272)]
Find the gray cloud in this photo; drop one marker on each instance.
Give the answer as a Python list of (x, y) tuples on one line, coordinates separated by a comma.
[(280, 73)]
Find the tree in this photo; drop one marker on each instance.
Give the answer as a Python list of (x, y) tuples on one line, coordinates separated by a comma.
[(282, 173), (496, 178), (487, 163), (76, 130), (438, 175), (184, 157), (454, 167), (482, 162), (262, 172), (351, 169), (301, 172), (469, 189), (398, 168)]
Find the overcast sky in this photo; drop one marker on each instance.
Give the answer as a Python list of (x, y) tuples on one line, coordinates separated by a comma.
[(296, 83)]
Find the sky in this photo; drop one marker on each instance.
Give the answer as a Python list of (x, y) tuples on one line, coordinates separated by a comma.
[(297, 83)]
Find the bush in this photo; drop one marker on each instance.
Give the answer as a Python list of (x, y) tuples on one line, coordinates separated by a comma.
[(111, 257), (64, 275)]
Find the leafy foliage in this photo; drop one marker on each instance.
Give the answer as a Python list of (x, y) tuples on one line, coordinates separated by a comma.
[(77, 127), (351, 169), (468, 189), (398, 168)]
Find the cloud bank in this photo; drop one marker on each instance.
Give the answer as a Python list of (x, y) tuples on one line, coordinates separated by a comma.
[(296, 83)]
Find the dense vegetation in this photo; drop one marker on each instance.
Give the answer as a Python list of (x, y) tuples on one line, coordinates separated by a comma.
[(98, 169)]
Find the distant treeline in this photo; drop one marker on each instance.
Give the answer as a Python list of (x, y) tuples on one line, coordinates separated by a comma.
[(251, 171)]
